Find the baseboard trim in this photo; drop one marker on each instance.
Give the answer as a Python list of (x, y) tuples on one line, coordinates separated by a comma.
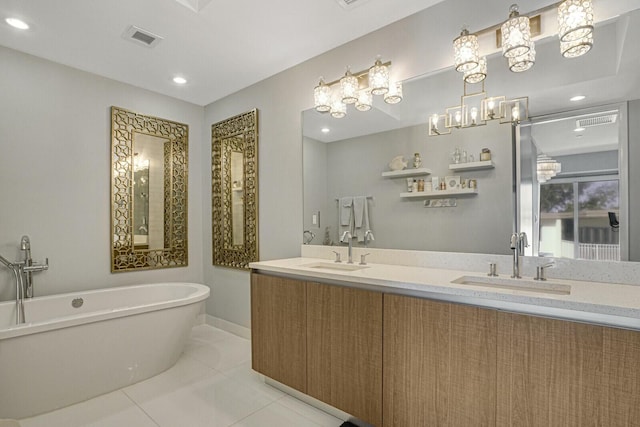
[(230, 327)]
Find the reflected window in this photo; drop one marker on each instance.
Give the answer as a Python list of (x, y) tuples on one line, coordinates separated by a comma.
[(575, 220)]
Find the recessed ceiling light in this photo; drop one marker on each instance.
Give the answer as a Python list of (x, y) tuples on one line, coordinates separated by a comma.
[(17, 23), (179, 80), (325, 130), (577, 98), (578, 129)]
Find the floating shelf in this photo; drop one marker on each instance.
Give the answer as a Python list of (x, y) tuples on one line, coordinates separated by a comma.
[(440, 193), (406, 173), (472, 166)]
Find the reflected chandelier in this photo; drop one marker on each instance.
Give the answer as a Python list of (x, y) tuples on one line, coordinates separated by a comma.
[(358, 89), (547, 168)]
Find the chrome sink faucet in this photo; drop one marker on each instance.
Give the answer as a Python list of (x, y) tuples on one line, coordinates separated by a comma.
[(518, 243), (368, 236), (346, 237)]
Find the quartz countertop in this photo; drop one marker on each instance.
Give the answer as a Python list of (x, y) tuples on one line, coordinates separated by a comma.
[(594, 302)]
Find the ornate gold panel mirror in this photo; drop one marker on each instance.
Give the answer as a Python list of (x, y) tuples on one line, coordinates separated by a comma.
[(234, 160), (148, 192)]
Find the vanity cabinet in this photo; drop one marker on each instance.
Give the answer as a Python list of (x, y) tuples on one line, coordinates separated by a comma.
[(344, 349), (439, 363), (559, 373), (278, 330), (442, 364), (323, 340)]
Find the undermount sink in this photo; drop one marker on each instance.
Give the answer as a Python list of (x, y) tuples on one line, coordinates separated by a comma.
[(515, 284), (336, 266)]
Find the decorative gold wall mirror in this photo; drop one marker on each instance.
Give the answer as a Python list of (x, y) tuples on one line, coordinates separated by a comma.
[(234, 160), (148, 192)]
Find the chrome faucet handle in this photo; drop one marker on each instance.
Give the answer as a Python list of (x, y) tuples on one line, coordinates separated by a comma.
[(492, 270), (346, 235), (36, 267), (540, 271), (514, 240), (337, 256), (523, 239), (363, 260)]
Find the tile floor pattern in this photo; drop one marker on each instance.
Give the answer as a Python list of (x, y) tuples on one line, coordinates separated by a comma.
[(212, 385)]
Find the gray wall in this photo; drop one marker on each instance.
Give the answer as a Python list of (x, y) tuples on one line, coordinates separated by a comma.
[(634, 180), (55, 173), (603, 160), (355, 167), (315, 188)]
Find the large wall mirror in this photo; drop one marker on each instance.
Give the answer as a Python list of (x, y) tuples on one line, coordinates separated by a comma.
[(148, 192), (349, 159), (234, 190)]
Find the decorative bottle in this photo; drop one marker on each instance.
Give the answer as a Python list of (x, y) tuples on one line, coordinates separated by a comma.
[(417, 160)]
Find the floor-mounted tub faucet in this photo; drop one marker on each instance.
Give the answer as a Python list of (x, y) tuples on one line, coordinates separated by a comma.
[(28, 267), (346, 237)]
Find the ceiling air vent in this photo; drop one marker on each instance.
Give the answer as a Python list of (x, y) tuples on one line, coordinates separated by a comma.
[(350, 4), (606, 119), (140, 36)]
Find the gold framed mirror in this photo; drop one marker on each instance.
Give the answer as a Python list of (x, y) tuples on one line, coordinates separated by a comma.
[(234, 190), (149, 159)]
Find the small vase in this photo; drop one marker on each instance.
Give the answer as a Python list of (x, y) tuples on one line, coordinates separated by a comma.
[(417, 161)]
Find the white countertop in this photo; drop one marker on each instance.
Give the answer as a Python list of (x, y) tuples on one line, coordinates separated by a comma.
[(593, 302)]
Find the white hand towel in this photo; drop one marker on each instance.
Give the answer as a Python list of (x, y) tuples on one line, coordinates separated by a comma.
[(361, 216), (346, 204)]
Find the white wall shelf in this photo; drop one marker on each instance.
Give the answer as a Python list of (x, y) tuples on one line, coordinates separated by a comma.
[(472, 166), (440, 193), (406, 173)]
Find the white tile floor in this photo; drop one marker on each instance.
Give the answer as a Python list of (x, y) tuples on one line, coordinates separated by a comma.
[(212, 385)]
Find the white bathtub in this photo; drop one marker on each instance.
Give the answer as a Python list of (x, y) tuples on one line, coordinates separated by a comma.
[(117, 337)]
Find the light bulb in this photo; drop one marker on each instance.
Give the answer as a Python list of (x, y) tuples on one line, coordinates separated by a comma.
[(515, 113), (458, 117), (474, 115)]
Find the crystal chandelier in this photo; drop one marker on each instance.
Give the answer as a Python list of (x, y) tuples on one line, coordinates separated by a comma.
[(465, 51), (478, 73), (547, 168), (518, 64), (357, 88), (576, 48), (575, 20), (516, 34)]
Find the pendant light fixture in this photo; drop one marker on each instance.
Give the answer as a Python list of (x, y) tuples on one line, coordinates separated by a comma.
[(477, 74), (578, 47), (349, 85), (379, 78), (516, 34), (357, 88), (547, 168), (522, 63), (575, 20), (465, 51), (322, 97)]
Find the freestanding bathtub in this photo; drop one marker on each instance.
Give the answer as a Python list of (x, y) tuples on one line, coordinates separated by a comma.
[(79, 345)]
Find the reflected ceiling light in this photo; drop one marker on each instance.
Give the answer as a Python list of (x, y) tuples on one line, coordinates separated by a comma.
[(349, 86), (179, 80), (365, 100), (322, 97), (522, 63), (325, 130), (547, 168), (576, 48), (395, 93), (477, 74), (357, 88), (17, 23), (577, 98), (338, 109), (465, 51), (516, 34), (579, 129), (575, 20), (379, 78)]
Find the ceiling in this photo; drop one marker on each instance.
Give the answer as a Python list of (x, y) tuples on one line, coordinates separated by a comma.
[(606, 74), (219, 46)]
